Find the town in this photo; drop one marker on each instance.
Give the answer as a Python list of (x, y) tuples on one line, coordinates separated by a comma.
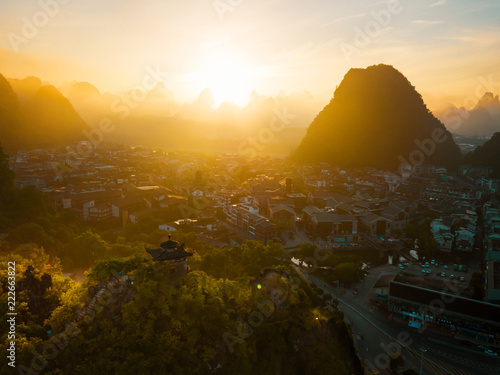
[(432, 232)]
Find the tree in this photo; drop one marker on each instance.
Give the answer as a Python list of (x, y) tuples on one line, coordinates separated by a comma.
[(348, 272), (6, 175), (89, 247), (306, 250)]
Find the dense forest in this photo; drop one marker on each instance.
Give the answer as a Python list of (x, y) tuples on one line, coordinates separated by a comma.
[(243, 309)]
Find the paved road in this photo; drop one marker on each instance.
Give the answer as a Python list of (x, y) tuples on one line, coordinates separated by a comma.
[(381, 336)]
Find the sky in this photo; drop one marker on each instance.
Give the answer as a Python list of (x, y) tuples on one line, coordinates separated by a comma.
[(446, 48)]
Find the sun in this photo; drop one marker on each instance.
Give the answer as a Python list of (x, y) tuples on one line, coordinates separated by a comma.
[(229, 78)]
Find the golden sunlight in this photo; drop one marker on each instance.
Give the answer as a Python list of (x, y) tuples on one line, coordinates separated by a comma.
[(228, 76)]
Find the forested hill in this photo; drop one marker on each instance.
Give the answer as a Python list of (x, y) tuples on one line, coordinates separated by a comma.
[(375, 118), (146, 321), (487, 155)]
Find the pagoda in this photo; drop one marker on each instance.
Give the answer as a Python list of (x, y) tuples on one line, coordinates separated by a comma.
[(174, 253)]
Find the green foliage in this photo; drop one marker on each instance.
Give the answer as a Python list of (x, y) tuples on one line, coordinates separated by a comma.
[(421, 232), (348, 272), (248, 259), (146, 230), (306, 250), (88, 247), (6, 175), (164, 325), (34, 303)]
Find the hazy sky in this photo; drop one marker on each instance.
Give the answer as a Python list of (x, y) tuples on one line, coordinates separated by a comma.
[(442, 46)]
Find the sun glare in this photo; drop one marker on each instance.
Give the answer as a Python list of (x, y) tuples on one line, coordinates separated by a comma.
[(228, 77)]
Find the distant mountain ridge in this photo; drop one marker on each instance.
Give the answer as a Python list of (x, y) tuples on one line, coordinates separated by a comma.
[(483, 120), (376, 119), (43, 118)]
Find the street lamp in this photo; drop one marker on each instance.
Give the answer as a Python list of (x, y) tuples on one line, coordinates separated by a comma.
[(423, 350)]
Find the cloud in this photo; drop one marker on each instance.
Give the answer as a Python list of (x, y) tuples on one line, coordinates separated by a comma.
[(439, 3), (426, 22), (344, 19)]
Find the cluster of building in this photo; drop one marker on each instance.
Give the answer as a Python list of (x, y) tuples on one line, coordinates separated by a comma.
[(456, 231), (491, 217), (261, 200)]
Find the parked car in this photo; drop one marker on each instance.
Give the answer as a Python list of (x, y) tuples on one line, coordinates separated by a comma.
[(460, 268), (462, 278), (490, 352), (452, 276), (443, 274), (445, 266), (455, 267)]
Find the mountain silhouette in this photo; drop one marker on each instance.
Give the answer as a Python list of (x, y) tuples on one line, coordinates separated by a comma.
[(377, 119), (83, 91), (25, 88), (10, 116), (487, 155), (44, 118), (481, 121)]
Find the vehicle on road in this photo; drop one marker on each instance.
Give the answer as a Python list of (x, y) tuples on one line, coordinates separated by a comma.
[(491, 352)]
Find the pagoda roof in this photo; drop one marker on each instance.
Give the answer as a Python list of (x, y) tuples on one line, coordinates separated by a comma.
[(169, 244), (164, 254), (169, 250)]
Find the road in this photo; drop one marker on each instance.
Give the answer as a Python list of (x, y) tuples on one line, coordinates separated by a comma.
[(381, 337)]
